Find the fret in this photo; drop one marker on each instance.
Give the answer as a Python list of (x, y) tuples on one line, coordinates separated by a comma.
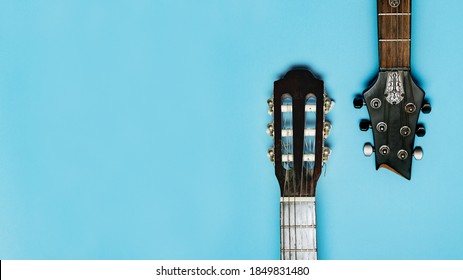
[(394, 40), (298, 250), (394, 14), (298, 226), (394, 33)]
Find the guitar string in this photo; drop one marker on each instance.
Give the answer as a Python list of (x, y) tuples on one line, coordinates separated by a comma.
[(284, 148), (396, 35)]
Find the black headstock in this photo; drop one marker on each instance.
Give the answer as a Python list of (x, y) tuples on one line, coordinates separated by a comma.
[(394, 103), (299, 105)]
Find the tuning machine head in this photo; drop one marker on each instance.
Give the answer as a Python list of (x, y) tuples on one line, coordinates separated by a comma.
[(420, 130), (326, 154), (418, 153), (364, 125), (368, 149), (328, 104), (358, 102), (326, 129), (426, 107), (270, 129), (270, 106), (271, 154)]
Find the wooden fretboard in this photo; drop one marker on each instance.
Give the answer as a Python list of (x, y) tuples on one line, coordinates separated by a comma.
[(394, 33), (298, 239)]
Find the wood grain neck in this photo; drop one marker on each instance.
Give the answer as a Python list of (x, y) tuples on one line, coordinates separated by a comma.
[(394, 33), (298, 239)]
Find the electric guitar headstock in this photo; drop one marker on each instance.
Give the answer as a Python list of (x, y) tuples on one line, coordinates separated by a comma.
[(299, 129), (394, 101)]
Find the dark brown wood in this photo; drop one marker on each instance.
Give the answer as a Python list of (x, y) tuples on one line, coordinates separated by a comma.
[(298, 84), (394, 34)]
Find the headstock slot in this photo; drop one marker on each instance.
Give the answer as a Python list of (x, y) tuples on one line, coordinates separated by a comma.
[(287, 126), (310, 133)]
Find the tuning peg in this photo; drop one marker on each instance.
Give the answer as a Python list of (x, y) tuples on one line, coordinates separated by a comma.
[(364, 125), (326, 154), (328, 104), (426, 108), (270, 106), (418, 153), (368, 149), (358, 102), (271, 154), (270, 130), (420, 130), (326, 129)]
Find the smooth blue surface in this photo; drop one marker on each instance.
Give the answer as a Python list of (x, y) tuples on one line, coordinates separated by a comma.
[(136, 130)]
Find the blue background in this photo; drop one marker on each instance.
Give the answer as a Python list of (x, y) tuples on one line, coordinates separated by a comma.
[(136, 130)]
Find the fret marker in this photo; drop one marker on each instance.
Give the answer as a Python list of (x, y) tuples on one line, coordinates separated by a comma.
[(394, 3)]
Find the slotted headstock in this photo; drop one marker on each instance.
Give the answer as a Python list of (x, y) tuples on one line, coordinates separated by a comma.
[(299, 129)]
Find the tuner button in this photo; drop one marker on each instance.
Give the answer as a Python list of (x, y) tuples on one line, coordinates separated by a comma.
[(364, 125), (326, 129), (270, 106), (368, 149), (418, 153), (328, 104), (326, 154), (420, 130), (426, 108), (270, 130), (271, 154), (358, 102)]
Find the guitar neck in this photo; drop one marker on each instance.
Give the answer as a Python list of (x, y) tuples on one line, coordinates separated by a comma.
[(394, 34), (298, 239)]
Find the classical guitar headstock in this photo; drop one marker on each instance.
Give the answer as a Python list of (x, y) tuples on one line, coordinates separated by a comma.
[(299, 130), (394, 102)]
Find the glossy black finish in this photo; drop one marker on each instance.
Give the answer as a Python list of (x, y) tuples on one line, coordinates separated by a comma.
[(395, 117)]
